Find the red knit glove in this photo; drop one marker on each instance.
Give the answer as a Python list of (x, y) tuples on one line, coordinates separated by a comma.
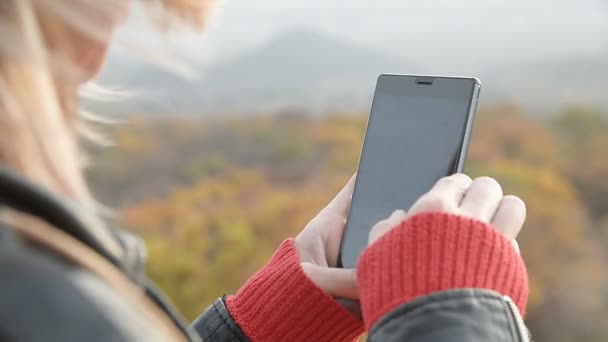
[(280, 303), (434, 252)]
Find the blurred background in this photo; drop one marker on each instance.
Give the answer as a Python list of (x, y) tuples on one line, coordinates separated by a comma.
[(243, 133)]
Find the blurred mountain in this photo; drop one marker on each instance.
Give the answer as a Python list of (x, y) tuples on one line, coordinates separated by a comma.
[(297, 69), (313, 72), (552, 84)]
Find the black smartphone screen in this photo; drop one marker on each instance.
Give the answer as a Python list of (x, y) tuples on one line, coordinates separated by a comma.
[(417, 132)]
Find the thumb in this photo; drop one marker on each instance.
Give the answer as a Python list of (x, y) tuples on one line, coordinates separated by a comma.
[(337, 282), (341, 202)]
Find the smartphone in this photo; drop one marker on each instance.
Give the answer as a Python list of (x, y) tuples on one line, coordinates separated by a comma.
[(418, 131)]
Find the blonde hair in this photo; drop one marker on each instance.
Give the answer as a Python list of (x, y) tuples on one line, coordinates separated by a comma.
[(39, 114)]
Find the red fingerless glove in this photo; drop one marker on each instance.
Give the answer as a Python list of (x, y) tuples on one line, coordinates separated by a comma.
[(434, 252), (280, 303)]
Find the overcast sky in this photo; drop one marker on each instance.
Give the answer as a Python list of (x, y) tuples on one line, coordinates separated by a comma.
[(472, 31)]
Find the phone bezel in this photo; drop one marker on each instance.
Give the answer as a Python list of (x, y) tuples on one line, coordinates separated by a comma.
[(468, 131)]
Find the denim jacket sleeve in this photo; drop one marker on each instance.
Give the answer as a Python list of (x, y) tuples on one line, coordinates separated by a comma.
[(216, 324)]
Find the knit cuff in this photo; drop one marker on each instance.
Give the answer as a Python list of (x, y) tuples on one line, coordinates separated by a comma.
[(435, 252), (280, 303)]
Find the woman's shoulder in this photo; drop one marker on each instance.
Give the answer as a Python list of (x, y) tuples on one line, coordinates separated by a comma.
[(45, 298)]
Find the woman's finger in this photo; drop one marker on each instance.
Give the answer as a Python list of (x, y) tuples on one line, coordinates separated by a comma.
[(337, 282), (453, 187), (510, 216), (481, 199), (516, 246), (445, 196), (386, 225)]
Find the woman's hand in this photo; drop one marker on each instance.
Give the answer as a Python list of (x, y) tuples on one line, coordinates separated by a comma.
[(318, 245), (481, 199), (294, 297)]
